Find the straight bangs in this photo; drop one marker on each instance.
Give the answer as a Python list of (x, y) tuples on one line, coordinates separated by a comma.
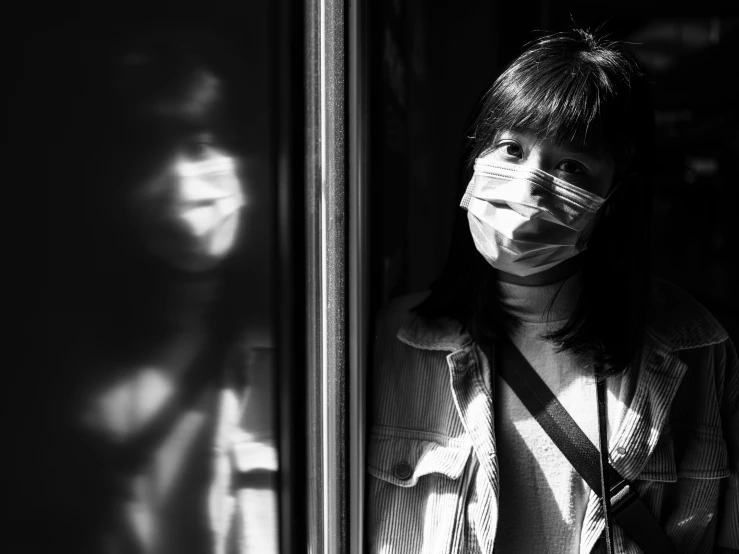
[(551, 105), (564, 93)]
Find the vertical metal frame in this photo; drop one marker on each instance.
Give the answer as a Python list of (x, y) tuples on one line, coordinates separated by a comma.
[(358, 125), (326, 236), (337, 271)]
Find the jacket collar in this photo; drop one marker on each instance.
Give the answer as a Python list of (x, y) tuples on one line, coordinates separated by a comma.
[(444, 334), (676, 321)]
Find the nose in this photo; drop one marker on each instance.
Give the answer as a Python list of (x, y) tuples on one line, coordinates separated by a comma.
[(534, 159)]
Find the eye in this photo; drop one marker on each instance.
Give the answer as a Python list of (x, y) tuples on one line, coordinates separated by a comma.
[(570, 166), (510, 149)]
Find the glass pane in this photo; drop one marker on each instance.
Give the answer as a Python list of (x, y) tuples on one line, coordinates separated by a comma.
[(154, 146)]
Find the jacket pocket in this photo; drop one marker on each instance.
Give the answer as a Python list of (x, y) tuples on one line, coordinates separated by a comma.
[(682, 481), (693, 452), (700, 452), (416, 491), (402, 457)]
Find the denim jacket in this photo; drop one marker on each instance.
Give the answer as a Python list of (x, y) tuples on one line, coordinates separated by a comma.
[(432, 439)]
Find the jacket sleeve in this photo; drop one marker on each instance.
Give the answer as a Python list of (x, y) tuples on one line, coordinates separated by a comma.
[(727, 536)]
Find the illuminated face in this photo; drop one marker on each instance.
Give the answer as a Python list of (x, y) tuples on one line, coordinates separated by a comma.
[(588, 166), (188, 213)]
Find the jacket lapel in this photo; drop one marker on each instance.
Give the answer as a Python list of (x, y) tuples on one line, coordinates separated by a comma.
[(474, 405), (648, 395), (475, 408)]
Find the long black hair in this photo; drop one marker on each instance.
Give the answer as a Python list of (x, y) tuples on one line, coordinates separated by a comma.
[(566, 87)]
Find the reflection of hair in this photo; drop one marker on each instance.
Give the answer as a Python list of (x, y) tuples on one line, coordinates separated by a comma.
[(159, 87), (163, 79), (566, 87), (101, 108), (127, 97)]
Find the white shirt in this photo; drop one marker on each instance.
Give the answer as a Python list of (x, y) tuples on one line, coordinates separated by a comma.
[(542, 498)]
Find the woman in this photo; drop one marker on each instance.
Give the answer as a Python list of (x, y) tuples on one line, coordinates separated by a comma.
[(550, 254), (147, 312)]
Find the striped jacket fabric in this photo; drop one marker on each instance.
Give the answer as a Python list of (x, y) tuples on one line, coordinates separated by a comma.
[(432, 466)]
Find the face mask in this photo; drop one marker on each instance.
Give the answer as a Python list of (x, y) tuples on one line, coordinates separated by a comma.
[(193, 212), (525, 221)]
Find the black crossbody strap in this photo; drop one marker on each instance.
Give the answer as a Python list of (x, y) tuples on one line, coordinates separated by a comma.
[(553, 418), (627, 508)]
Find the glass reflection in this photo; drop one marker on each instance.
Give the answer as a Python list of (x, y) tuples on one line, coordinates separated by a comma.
[(168, 428)]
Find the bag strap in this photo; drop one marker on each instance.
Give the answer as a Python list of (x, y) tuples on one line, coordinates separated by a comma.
[(627, 508)]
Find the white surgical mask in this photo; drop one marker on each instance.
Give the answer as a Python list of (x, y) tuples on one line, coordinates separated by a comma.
[(192, 215), (525, 221)]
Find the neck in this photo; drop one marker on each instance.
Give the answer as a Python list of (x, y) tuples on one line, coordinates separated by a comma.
[(559, 272)]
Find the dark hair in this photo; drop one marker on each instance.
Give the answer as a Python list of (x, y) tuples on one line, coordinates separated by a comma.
[(566, 87), (100, 107), (124, 97)]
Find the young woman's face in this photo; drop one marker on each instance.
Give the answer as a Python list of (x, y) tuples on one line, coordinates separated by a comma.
[(188, 212), (588, 166)]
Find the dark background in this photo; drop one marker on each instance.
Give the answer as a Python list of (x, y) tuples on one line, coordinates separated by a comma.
[(429, 64), (251, 34), (433, 61)]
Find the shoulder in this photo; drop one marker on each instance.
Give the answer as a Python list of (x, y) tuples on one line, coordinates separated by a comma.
[(398, 313), (409, 378), (400, 323), (678, 320), (410, 349)]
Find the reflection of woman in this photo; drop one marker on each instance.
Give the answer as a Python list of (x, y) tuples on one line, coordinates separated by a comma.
[(562, 154), (152, 338)]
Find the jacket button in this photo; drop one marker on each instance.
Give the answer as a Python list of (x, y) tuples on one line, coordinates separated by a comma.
[(658, 359), (403, 471), (621, 450)]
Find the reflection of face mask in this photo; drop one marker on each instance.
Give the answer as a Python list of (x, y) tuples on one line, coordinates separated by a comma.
[(194, 212), (525, 221)]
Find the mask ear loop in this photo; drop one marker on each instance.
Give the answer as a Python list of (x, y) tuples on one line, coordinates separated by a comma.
[(607, 201)]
